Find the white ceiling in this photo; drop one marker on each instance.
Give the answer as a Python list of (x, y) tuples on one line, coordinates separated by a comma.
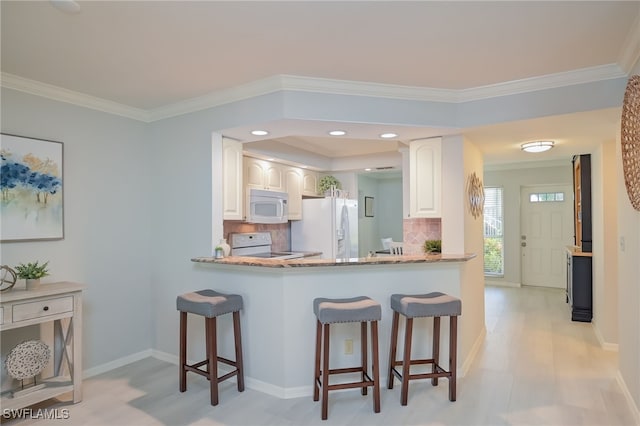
[(150, 55)]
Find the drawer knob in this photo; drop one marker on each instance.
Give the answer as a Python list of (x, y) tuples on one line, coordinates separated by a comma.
[(46, 308)]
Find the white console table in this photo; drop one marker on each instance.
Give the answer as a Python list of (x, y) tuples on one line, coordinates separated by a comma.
[(61, 304)]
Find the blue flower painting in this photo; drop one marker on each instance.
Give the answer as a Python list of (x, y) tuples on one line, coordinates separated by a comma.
[(31, 202)]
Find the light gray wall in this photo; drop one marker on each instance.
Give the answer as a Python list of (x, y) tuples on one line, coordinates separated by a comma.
[(387, 219), (512, 180), (389, 208), (107, 188)]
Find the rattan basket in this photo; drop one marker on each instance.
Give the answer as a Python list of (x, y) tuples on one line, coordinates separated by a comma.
[(630, 140)]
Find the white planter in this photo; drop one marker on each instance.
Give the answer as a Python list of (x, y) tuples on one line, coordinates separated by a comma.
[(33, 284)]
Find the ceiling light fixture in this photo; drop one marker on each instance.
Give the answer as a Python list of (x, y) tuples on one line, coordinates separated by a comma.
[(259, 132), (537, 146), (66, 6), (388, 135), (337, 133), (367, 170)]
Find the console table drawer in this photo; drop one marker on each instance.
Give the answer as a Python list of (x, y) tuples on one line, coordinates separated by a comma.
[(42, 308)]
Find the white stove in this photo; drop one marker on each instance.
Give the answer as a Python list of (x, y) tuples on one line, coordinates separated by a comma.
[(258, 244)]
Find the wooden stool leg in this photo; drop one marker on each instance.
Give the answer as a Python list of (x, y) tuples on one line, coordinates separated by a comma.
[(406, 363), (316, 375), (392, 350), (435, 349), (453, 355), (183, 351), (376, 366), (238, 343), (212, 357), (325, 373), (363, 351)]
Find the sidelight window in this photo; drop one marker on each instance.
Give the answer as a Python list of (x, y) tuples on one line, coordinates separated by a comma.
[(493, 231)]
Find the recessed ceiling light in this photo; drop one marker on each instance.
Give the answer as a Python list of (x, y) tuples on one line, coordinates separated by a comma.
[(259, 132), (337, 133), (388, 135), (537, 146), (367, 170)]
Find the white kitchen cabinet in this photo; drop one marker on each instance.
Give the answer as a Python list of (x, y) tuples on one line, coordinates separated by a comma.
[(425, 178), (262, 174), (293, 178), (310, 183), (232, 196)]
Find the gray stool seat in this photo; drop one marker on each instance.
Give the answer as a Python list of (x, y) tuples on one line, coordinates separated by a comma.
[(434, 304), (355, 309), (209, 303)]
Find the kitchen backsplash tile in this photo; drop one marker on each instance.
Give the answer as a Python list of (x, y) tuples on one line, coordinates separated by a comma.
[(280, 232), (415, 231)]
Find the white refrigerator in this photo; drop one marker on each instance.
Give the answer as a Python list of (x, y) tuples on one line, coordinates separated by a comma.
[(329, 225)]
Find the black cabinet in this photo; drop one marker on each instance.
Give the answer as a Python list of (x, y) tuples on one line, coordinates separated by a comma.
[(579, 286)]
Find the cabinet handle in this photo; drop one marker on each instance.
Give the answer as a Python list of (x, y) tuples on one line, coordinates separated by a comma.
[(46, 308)]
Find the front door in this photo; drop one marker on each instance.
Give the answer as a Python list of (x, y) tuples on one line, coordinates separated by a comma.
[(546, 225)]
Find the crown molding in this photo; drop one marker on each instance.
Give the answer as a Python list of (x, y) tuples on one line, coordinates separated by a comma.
[(362, 88), (56, 93), (316, 85), (220, 97), (630, 52), (549, 81)]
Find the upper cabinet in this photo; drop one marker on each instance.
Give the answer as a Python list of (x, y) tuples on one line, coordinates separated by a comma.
[(293, 182), (232, 197), (425, 183), (310, 183), (262, 174), (582, 201)]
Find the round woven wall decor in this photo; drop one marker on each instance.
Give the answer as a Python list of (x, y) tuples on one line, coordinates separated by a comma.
[(475, 191), (631, 140)]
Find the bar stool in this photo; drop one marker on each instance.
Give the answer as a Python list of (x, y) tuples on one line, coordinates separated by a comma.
[(412, 306), (357, 309), (210, 304)]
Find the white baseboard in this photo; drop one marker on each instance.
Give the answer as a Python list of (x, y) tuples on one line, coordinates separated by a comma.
[(604, 345), (628, 397), (251, 383), (120, 362), (501, 283), (473, 353)]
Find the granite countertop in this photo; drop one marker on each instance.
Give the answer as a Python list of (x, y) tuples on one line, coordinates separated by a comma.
[(577, 251), (302, 262)]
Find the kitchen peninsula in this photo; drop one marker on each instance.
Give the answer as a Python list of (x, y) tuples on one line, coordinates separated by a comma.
[(279, 325)]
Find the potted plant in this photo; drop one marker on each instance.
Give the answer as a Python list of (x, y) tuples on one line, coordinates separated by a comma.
[(432, 246), (32, 272), (327, 183)]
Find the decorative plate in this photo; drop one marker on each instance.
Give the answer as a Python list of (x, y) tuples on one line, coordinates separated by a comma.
[(475, 191), (630, 140), (27, 359)]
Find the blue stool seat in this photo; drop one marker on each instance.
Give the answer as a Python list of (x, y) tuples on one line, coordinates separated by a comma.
[(412, 306), (209, 303)]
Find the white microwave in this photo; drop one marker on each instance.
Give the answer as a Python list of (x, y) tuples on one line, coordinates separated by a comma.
[(267, 206)]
